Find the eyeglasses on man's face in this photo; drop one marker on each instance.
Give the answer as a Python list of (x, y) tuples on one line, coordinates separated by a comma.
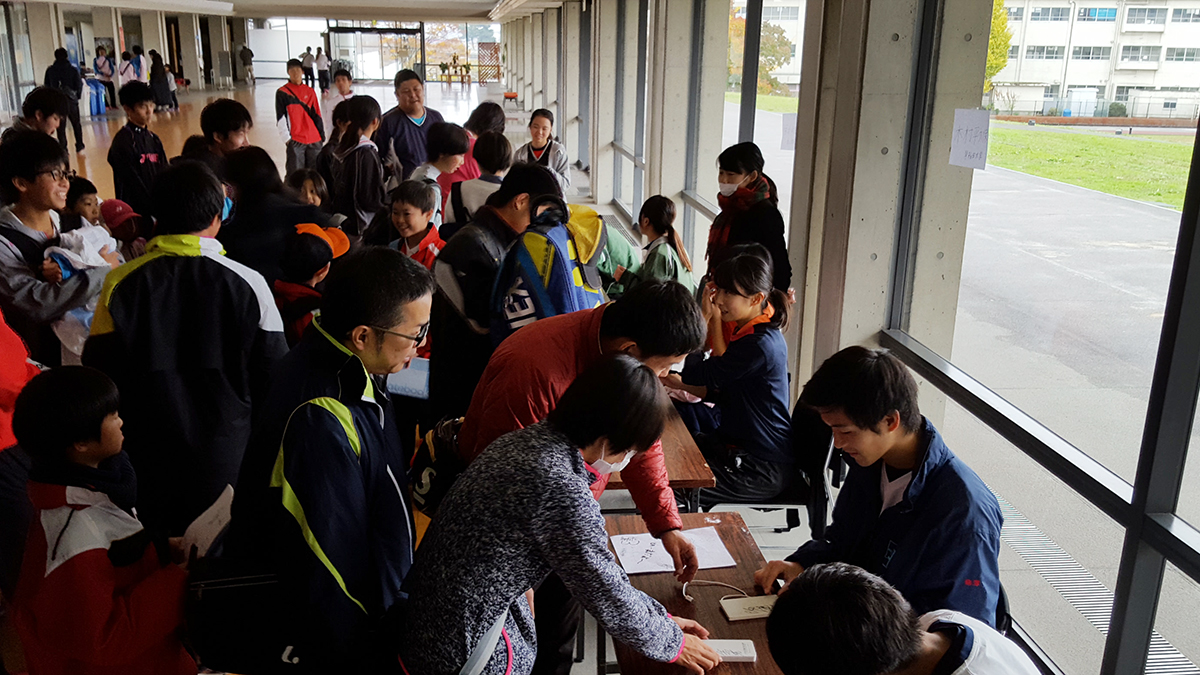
[(424, 331), (58, 174)]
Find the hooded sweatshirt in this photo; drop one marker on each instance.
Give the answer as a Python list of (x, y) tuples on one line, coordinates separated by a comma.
[(358, 176)]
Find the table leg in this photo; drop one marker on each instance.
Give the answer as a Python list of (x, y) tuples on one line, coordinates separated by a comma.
[(693, 500)]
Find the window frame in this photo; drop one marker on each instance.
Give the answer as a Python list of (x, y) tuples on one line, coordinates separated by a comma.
[(1143, 51), (1154, 534), (1185, 15), (1146, 14), (1015, 14), (1193, 52), (1093, 14), (1032, 52), (1093, 54), (1048, 14)]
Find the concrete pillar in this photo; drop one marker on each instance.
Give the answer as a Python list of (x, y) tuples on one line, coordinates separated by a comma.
[(154, 32), (667, 108), (218, 42), (527, 70), (537, 64), (568, 107), (190, 52), (45, 35), (604, 89)]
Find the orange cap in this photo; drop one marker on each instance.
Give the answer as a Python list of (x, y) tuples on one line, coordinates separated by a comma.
[(337, 240)]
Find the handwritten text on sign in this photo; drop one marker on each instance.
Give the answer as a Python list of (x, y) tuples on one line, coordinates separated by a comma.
[(969, 144)]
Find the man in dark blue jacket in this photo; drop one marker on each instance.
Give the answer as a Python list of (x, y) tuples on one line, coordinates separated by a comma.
[(65, 77), (910, 511), (323, 496)]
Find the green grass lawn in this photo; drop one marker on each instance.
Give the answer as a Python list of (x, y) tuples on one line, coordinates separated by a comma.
[(776, 104), (1137, 168)]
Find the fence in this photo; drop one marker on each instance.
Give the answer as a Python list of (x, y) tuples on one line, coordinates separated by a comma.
[(1161, 106)]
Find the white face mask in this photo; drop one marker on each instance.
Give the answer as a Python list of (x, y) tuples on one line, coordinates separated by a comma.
[(602, 467), (728, 189)]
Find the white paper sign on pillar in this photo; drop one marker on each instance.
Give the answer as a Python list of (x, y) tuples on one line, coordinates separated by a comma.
[(969, 144)]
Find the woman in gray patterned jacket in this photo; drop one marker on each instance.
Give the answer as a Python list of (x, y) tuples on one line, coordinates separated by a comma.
[(522, 510)]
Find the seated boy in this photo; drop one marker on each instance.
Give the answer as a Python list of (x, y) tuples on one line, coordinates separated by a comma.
[(306, 262), (83, 205), (413, 206), (43, 110), (910, 510), (136, 155), (838, 618), (95, 594)]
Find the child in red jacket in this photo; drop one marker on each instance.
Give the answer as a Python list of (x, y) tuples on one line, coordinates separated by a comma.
[(413, 205), (96, 596)]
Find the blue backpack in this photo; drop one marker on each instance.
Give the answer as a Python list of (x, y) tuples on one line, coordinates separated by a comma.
[(542, 276)]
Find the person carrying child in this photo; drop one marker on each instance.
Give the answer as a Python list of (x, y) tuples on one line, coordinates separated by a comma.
[(97, 592), (306, 262)]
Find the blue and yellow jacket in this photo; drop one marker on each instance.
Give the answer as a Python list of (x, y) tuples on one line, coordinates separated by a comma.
[(323, 500), (939, 546)]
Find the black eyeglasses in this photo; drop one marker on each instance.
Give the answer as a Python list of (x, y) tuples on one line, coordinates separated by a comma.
[(415, 338), (59, 174)]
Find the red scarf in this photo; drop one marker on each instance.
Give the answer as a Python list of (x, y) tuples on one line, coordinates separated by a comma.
[(743, 199)]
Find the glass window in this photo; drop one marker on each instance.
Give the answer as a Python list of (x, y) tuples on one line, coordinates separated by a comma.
[(1049, 13), (630, 105), (1097, 14), (1044, 53), (779, 99), (1091, 53), (1176, 641), (1015, 13), (1187, 15), (1013, 51), (1183, 53), (1140, 53), (1146, 16)]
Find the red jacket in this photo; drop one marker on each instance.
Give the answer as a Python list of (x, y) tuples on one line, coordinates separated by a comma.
[(296, 303), (426, 253), (77, 612), (468, 171), (15, 371), (298, 103), (523, 381)]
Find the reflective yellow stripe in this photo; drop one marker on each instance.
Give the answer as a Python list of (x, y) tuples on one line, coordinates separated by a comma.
[(292, 503), (179, 245)]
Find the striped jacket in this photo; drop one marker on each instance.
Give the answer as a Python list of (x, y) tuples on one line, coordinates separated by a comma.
[(322, 499), (189, 337)]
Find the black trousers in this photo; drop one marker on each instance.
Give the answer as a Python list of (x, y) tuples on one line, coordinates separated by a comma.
[(110, 94), (73, 117), (558, 616), (323, 79), (309, 78), (741, 477)]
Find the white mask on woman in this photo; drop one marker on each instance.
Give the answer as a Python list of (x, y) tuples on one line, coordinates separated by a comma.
[(602, 467), (727, 189)]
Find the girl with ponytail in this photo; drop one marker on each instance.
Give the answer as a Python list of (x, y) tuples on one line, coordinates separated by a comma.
[(749, 202), (746, 435), (356, 170), (666, 258)]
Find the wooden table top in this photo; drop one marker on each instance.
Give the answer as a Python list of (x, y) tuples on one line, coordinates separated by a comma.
[(664, 588), (686, 467)]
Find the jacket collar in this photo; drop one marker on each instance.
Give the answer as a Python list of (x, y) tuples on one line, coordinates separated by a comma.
[(354, 382), (9, 219), (53, 496), (732, 332), (184, 245), (589, 347), (292, 292), (489, 219), (935, 456)]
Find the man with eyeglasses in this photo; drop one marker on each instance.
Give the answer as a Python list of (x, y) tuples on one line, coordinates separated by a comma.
[(322, 498)]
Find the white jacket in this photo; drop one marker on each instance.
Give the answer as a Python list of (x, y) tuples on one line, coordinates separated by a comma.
[(986, 652)]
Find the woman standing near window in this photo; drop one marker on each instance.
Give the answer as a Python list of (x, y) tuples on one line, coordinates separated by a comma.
[(749, 204)]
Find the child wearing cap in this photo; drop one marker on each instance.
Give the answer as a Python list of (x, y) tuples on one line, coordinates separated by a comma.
[(126, 226), (306, 261)]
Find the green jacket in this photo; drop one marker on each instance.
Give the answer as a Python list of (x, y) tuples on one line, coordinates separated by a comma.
[(662, 262)]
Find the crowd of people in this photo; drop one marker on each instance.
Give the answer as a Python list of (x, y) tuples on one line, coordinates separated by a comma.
[(218, 327)]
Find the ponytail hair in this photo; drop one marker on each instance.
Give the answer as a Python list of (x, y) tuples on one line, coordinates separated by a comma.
[(747, 158), (660, 211), (361, 112), (749, 271)]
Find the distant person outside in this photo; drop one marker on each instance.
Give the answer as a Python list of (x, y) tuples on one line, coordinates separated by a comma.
[(307, 60), (322, 62)]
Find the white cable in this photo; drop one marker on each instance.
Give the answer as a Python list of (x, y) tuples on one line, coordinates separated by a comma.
[(701, 582)]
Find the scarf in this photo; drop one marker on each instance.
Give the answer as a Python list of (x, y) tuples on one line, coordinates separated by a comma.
[(114, 477), (731, 331), (743, 199)]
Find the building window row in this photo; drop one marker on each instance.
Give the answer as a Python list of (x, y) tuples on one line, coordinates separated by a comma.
[(1140, 53), (781, 14), (1105, 14), (1091, 53), (1183, 53), (1040, 53), (1049, 13), (1186, 16), (1146, 16), (1015, 13)]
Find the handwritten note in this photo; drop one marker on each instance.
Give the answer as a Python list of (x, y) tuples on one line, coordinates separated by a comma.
[(969, 144), (642, 553)]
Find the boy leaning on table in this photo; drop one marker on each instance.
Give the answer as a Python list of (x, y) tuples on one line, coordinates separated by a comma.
[(910, 511)]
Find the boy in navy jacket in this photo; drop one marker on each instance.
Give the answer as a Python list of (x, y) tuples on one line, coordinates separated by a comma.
[(910, 511), (136, 155)]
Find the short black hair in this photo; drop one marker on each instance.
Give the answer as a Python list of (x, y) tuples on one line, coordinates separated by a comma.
[(294, 63), (25, 154), (303, 256), (867, 385), (371, 287), (61, 407), (46, 100), (185, 199), (80, 188), (252, 171), (137, 49), (492, 152), (486, 117), (126, 56), (838, 618), (416, 193), (224, 116), (134, 93), (60, 54), (616, 398), (446, 138), (296, 182), (342, 72), (532, 179), (749, 272), (404, 76), (544, 114), (662, 317)]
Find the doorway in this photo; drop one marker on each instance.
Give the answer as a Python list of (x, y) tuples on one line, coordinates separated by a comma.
[(205, 51)]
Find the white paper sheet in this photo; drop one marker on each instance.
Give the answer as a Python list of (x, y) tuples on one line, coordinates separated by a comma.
[(412, 381), (642, 553), (205, 529), (969, 143)]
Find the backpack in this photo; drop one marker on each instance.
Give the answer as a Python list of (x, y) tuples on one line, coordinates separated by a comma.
[(543, 275)]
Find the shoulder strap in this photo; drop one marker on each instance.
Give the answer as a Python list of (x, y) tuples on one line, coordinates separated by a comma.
[(32, 250), (456, 202), (312, 114)]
